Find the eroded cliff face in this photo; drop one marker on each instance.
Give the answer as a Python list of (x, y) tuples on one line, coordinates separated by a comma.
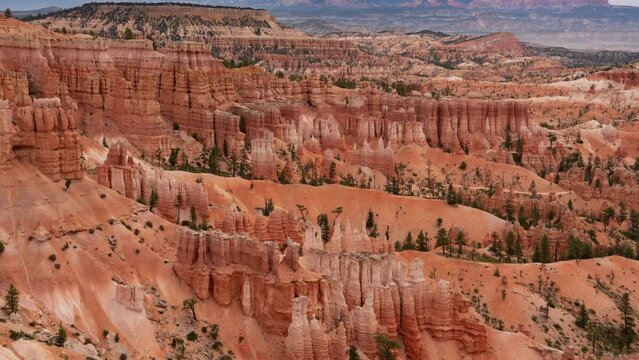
[(172, 199), (345, 292), (126, 89), (40, 131)]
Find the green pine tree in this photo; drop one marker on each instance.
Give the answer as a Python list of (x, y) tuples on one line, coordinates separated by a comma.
[(408, 242), (582, 319), (385, 347), (12, 300), (628, 334), (422, 241)]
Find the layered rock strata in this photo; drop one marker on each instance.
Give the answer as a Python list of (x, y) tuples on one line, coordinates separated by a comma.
[(175, 199), (350, 290)]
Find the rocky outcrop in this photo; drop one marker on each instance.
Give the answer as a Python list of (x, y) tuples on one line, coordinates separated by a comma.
[(130, 296), (7, 133), (48, 139), (350, 285), (381, 159), (502, 43), (175, 199), (629, 78), (263, 159)]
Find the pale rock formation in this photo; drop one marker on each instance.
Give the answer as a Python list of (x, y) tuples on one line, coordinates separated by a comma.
[(263, 159), (130, 296), (121, 173), (7, 133), (381, 159), (299, 345)]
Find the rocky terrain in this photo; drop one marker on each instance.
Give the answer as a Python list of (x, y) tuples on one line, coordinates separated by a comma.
[(566, 24), (205, 190)]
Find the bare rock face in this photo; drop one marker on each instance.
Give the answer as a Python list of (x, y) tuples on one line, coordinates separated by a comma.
[(503, 42), (629, 78), (263, 159), (132, 297), (7, 133), (381, 159), (299, 345), (350, 285), (48, 138)]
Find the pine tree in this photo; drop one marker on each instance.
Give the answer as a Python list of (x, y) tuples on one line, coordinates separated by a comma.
[(408, 242), (510, 244), (574, 248), (442, 239), (544, 253), (371, 226), (385, 347), (128, 34), (582, 319), (215, 157), (193, 216), (532, 189), (153, 200), (12, 300), (460, 240), (422, 241), (189, 304), (322, 222), (61, 336), (537, 254), (451, 195), (352, 353), (497, 246), (628, 334), (608, 214)]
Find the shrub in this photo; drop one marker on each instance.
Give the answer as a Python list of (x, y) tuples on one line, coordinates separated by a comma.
[(61, 337), (345, 83), (52, 257), (128, 34), (192, 336)]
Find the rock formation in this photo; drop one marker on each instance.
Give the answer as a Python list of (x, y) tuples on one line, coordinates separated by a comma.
[(359, 291), (174, 199)]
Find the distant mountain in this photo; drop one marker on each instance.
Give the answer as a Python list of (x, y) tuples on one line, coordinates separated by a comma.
[(537, 4), (36, 12), (488, 4)]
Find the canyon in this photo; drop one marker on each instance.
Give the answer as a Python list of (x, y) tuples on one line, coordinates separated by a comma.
[(185, 181)]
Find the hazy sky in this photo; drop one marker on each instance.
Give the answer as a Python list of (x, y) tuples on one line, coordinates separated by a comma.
[(625, 2)]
